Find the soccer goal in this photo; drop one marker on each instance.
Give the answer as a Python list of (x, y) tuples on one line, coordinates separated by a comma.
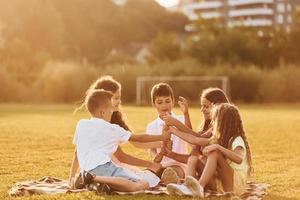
[(186, 86)]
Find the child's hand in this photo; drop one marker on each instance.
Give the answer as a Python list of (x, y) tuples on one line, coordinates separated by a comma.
[(172, 129), (165, 128), (208, 149), (183, 104), (207, 134), (166, 133), (168, 145), (169, 120), (164, 151)]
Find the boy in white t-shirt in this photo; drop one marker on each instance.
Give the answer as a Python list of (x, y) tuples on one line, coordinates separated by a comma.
[(162, 98), (96, 140)]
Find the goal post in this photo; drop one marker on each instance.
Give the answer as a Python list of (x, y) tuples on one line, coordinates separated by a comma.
[(186, 83)]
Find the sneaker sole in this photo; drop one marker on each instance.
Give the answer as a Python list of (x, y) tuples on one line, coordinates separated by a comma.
[(194, 186), (173, 189), (169, 176)]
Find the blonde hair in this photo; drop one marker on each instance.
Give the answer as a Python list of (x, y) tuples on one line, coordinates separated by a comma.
[(228, 126)]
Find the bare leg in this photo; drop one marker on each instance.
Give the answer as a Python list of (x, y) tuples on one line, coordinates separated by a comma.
[(217, 162), (121, 184), (191, 166), (211, 185)]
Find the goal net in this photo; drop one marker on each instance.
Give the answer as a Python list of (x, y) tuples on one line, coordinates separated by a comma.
[(189, 87)]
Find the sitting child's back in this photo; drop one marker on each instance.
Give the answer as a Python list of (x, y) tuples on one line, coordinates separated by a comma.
[(96, 141)]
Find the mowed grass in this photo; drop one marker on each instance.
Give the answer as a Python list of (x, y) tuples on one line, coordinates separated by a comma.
[(35, 141)]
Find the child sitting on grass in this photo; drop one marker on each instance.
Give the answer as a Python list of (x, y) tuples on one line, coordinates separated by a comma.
[(210, 97), (162, 98), (229, 155), (120, 157), (97, 140)]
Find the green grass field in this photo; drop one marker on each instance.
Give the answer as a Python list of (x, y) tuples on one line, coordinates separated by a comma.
[(36, 141)]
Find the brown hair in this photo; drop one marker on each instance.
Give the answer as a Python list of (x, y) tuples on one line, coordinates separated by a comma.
[(108, 83), (229, 126), (215, 96), (161, 89), (97, 99)]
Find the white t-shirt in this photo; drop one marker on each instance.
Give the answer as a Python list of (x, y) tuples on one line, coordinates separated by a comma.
[(97, 140), (239, 142), (179, 145)]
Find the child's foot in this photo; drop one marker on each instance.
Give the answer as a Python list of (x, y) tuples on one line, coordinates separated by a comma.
[(78, 182), (169, 176), (87, 178), (194, 186), (181, 190), (103, 188)]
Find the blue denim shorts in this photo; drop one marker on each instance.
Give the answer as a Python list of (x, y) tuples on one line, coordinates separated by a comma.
[(110, 169)]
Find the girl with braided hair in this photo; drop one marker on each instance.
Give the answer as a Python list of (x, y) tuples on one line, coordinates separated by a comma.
[(228, 154), (209, 98)]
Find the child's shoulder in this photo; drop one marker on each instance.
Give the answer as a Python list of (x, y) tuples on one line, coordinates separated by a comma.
[(238, 141), (153, 123), (82, 122), (91, 122)]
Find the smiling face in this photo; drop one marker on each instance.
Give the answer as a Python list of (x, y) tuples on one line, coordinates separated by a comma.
[(163, 105), (206, 107), (116, 100)]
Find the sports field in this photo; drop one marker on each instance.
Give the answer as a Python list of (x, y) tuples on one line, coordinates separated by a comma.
[(35, 141)]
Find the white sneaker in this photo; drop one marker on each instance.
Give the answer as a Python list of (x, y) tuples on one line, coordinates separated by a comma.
[(194, 186), (177, 189)]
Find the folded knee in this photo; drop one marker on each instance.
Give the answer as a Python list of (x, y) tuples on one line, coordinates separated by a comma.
[(192, 159), (214, 154)]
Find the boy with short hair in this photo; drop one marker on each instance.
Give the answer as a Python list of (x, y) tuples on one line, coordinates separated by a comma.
[(162, 98), (96, 140)]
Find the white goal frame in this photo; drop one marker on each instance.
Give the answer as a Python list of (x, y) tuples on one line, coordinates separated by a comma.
[(141, 79)]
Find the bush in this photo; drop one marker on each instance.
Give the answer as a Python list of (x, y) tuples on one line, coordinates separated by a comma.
[(281, 85), (64, 82), (9, 88)]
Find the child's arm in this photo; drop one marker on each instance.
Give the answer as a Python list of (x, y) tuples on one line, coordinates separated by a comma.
[(183, 104), (171, 121), (183, 158), (74, 167), (147, 145), (235, 156), (128, 159), (148, 138), (192, 139)]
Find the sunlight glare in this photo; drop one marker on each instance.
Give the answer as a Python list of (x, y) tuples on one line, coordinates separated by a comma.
[(168, 3)]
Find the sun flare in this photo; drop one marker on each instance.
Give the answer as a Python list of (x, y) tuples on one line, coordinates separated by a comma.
[(168, 3)]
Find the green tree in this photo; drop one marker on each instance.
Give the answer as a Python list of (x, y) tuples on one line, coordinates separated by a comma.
[(292, 52), (165, 47)]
